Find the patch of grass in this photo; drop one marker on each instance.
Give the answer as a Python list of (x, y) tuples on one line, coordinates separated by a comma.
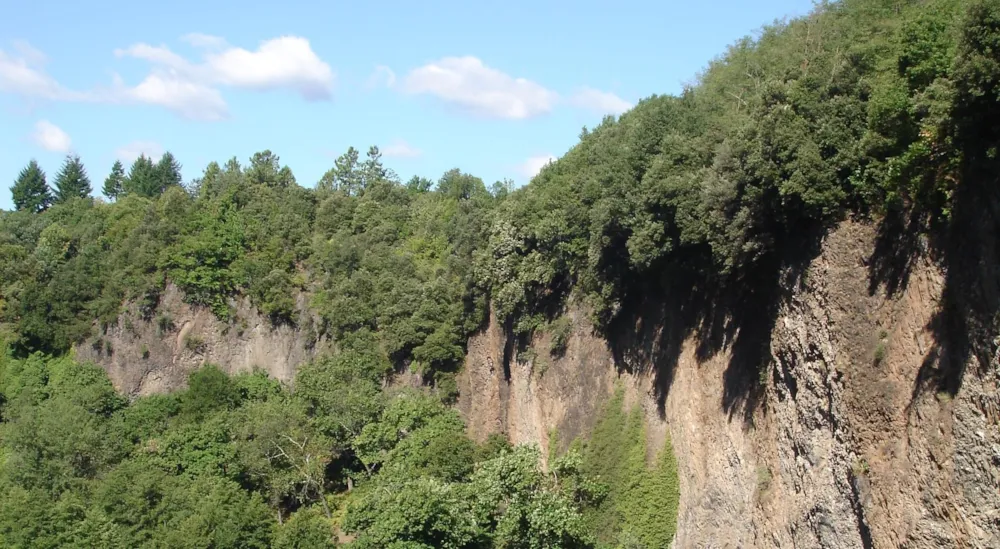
[(553, 444), (241, 327), (642, 499), (880, 352), (528, 355), (164, 324), (762, 372), (860, 467), (145, 351), (541, 365), (194, 343), (764, 478)]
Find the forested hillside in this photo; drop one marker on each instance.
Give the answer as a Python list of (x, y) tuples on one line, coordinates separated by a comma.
[(711, 200)]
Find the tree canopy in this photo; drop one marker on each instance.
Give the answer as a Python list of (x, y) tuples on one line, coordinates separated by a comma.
[(30, 191), (72, 181)]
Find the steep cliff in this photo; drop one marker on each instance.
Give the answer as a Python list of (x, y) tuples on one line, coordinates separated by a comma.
[(154, 355), (836, 439), (840, 420)]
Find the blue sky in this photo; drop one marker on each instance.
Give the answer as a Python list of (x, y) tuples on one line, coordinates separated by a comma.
[(492, 88)]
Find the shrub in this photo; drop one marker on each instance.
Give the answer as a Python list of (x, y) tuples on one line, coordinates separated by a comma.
[(880, 352), (194, 343), (560, 329)]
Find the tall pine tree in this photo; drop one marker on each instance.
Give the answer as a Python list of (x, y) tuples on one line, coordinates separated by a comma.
[(142, 178), (114, 185), (30, 191), (168, 172), (72, 180)]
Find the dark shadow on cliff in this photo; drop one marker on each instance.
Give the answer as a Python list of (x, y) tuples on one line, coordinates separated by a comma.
[(899, 244), (735, 313), (964, 327)]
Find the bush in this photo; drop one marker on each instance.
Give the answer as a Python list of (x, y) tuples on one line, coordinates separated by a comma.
[(194, 343), (880, 352), (560, 330)]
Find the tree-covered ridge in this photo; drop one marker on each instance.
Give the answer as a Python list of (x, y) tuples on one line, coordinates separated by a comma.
[(384, 262), (863, 107), (870, 107)]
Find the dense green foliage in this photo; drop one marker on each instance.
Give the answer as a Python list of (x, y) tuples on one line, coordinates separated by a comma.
[(863, 106), (72, 180), (114, 185), (30, 191), (243, 462), (384, 263), (880, 108), (640, 509)]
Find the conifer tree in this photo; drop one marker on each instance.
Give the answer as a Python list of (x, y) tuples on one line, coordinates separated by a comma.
[(30, 191), (142, 178), (114, 185), (72, 180), (168, 172)]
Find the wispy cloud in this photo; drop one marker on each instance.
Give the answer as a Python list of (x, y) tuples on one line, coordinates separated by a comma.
[(128, 153), (190, 89), (400, 149), (471, 85), (599, 101), (382, 76), (530, 167), (51, 137), (206, 41), (22, 72)]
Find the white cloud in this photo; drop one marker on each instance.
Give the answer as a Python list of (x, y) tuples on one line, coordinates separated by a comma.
[(128, 153), (382, 76), (400, 149), (185, 97), (29, 53), (23, 74), (190, 89), (207, 41), (530, 167), (285, 62), (468, 83), (599, 101), (51, 137)]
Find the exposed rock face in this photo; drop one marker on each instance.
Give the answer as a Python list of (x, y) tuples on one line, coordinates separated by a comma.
[(156, 355), (839, 424), (839, 441)]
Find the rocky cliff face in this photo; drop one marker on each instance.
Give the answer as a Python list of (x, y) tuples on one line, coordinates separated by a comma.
[(156, 355), (839, 417), (835, 438)]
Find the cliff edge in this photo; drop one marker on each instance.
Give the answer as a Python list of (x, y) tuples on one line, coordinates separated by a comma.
[(836, 439)]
